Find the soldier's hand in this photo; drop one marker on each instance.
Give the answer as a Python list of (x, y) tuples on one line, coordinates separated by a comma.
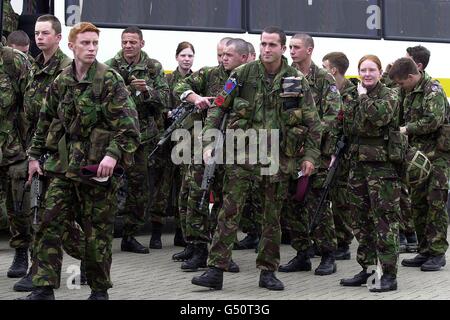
[(106, 167), (403, 130), (33, 167), (139, 85), (361, 89), (307, 168), (203, 102)]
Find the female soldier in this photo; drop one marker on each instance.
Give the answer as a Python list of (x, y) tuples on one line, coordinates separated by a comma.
[(374, 185)]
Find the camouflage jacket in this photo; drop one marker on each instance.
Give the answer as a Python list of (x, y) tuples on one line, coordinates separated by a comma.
[(376, 113), (39, 80), (151, 105), (328, 102), (173, 79), (350, 103), (85, 127), (206, 82), (14, 67), (423, 110), (10, 17), (256, 103)]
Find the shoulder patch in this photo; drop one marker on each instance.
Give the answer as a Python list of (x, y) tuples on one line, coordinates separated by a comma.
[(434, 87), (333, 88)]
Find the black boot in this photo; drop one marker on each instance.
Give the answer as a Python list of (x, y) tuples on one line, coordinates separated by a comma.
[(342, 252), (434, 263), (267, 279), (388, 282), (130, 244), (300, 262), (411, 242), (178, 239), (155, 240), (198, 259), (403, 242), (417, 261), (327, 265), (185, 254), (233, 267), (249, 242), (19, 265), (211, 278), (357, 280), (98, 295), (25, 284), (40, 293)]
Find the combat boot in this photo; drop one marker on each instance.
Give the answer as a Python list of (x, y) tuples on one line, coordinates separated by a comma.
[(178, 239), (388, 282), (98, 295), (300, 262), (40, 293), (327, 265), (342, 252), (233, 267), (411, 242), (19, 265), (25, 284), (198, 259), (417, 261), (155, 240), (185, 254), (249, 242), (357, 280), (211, 278), (434, 263), (130, 244), (403, 242), (268, 280)]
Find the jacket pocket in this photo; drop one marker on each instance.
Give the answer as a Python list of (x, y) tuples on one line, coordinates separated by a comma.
[(293, 141), (372, 153), (99, 141)]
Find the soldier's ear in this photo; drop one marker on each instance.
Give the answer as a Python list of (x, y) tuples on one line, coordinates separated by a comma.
[(142, 43), (283, 48)]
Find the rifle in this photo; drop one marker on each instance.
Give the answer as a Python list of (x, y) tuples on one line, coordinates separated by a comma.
[(210, 168), (329, 181), (178, 115), (36, 192)]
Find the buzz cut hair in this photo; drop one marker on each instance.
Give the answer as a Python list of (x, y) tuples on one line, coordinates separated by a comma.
[(134, 30), (308, 41), (56, 24), (240, 45), (402, 68), (337, 60)]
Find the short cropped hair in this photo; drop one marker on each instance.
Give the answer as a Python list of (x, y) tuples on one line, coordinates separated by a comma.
[(306, 38), (277, 30), (82, 27), (402, 68), (240, 45), (56, 24), (18, 38), (338, 60), (134, 30), (419, 54)]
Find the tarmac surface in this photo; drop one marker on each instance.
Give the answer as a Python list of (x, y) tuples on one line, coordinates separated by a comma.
[(155, 276)]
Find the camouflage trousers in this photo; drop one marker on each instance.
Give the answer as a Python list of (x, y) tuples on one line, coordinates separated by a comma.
[(406, 215), (183, 197), (15, 204), (341, 207), (237, 186), (429, 210), (138, 193), (98, 208), (299, 215), (251, 215), (200, 222), (375, 203)]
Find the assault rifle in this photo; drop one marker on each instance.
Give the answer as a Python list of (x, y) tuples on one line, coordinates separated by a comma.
[(329, 181), (178, 115), (210, 168), (36, 192)]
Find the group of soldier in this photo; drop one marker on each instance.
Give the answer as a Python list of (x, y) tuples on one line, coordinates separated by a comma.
[(78, 125)]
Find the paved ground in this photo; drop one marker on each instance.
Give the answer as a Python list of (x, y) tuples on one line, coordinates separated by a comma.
[(156, 277)]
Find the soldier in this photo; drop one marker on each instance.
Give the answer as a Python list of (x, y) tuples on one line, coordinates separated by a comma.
[(298, 215), (14, 201), (47, 66), (425, 111), (199, 223), (98, 129), (251, 52), (374, 183), (10, 18), (337, 64), (168, 175), (19, 40), (220, 46), (268, 95), (145, 80)]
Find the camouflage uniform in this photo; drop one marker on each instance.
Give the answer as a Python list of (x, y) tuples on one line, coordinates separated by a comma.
[(328, 101), (14, 201), (207, 82), (167, 174), (373, 183), (150, 107), (256, 104), (424, 111), (10, 18), (93, 124), (40, 77)]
